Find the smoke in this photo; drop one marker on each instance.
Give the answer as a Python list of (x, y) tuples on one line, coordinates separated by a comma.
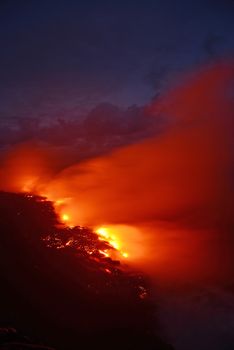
[(182, 175), (176, 188)]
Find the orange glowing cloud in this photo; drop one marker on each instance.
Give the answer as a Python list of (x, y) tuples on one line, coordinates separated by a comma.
[(182, 174), (180, 179)]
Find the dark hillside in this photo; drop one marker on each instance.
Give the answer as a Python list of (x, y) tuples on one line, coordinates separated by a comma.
[(60, 291)]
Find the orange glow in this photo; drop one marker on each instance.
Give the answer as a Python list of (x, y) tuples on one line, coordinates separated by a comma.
[(103, 233), (104, 252), (65, 217), (106, 234), (59, 205), (174, 184)]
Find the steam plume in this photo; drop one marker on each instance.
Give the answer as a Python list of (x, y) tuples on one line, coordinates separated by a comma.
[(180, 181)]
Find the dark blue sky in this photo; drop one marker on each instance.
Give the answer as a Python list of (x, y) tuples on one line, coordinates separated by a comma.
[(60, 58)]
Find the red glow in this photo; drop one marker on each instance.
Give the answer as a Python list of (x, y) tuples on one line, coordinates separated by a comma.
[(176, 182)]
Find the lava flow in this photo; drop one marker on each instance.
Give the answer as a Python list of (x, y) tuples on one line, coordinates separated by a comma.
[(106, 234)]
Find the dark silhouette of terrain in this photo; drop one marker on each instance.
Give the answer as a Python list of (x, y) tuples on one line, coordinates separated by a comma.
[(57, 289)]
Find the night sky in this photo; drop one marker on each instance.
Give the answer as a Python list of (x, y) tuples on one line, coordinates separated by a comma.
[(61, 58)]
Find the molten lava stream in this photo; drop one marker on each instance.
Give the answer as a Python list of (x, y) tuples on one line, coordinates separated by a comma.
[(107, 234)]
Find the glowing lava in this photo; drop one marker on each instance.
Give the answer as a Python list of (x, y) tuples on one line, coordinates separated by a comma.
[(106, 234), (125, 242), (65, 218)]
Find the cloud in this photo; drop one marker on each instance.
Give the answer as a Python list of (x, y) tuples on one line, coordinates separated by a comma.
[(184, 168), (178, 183), (104, 128), (175, 186)]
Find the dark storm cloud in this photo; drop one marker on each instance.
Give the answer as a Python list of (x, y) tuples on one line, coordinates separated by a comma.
[(104, 128)]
